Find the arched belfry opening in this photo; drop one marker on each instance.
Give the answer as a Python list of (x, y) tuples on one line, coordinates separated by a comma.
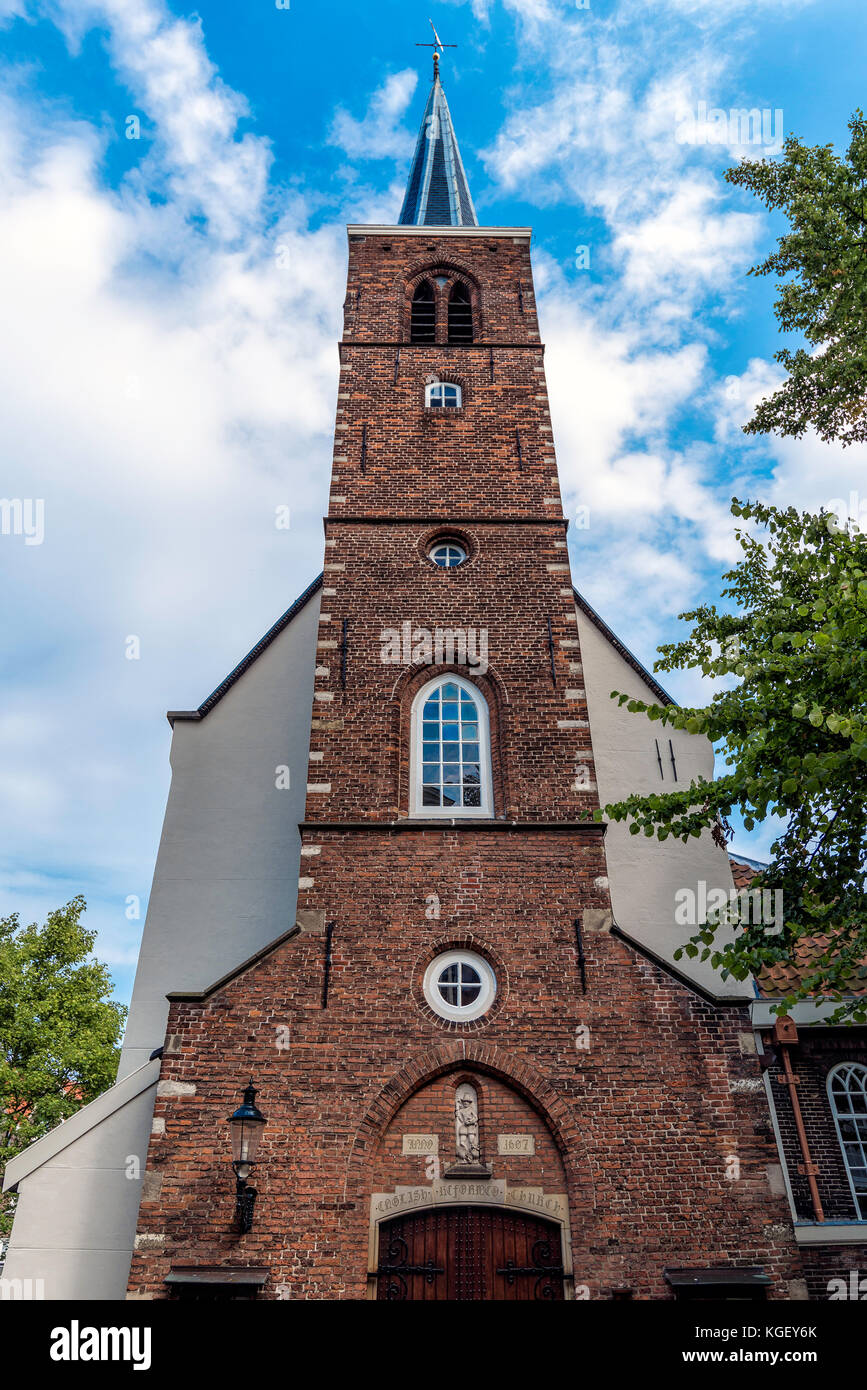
[(424, 314), (443, 308), (460, 319)]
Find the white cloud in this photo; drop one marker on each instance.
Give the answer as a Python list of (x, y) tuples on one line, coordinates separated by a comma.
[(712, 9), (168, 375), (807, 473), (379, 135), (481, 10), (658, 513), (685, 247)]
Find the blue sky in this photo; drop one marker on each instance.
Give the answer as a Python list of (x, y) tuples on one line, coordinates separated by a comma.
[(171, 305)]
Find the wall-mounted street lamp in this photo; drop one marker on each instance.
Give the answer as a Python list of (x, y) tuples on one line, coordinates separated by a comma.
[(247, 1124)]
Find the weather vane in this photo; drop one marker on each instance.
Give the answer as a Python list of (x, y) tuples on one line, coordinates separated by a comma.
[(438, 48)]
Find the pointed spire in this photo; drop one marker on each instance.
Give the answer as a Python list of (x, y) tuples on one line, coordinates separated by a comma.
[(437, 194)]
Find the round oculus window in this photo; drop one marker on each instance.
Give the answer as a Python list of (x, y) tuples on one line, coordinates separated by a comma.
[(460, 986), (447, 554)]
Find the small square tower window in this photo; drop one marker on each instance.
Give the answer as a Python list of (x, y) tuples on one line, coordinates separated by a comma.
[(443, 395)]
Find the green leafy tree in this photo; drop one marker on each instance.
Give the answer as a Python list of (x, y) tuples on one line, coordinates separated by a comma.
[(824, 198), (792, 725), (59, 1029)]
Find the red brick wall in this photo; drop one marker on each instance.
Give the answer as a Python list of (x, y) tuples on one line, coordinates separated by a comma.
[(362, 730), (385, 268), (644, 1122), (454, 463), (431, 1110)]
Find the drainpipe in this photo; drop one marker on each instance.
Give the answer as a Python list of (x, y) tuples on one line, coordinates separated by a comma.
[(785, 1034)]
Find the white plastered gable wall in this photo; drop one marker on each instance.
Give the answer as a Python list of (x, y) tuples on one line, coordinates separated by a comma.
[(225, 886), (226, 877), (645, 874)]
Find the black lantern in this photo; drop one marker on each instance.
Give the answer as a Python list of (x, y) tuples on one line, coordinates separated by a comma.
[(247, 1124)]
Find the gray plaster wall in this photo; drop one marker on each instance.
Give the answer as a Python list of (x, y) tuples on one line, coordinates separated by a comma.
[(226, 876), (77, 1209), (645, 874)]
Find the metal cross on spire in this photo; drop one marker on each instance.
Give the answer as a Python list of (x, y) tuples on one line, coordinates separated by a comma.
[(438, 47), (437, 193)]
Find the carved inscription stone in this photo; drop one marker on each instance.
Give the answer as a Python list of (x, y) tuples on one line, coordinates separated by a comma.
[(516, 1144), (488, 1191), (421, 1144), (551, 1204), (384, 1204)]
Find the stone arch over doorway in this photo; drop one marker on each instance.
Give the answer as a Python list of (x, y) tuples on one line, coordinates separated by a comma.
[(487, 1059), (413, 1173)]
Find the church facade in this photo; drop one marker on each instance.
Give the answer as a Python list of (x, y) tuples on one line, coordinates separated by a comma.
[(382, 899)]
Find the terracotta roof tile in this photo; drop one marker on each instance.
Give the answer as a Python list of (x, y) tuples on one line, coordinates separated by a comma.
[(783, 978)]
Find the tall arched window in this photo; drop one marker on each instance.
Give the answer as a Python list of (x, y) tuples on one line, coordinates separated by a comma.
[(424, 314), (451, 750), (460, 315), (847, 1094)]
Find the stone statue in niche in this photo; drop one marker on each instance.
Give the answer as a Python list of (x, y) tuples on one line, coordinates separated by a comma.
[(467, 1125)]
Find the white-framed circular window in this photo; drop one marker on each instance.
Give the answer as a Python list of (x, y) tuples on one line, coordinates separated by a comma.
[(447, 554), (460, 986)]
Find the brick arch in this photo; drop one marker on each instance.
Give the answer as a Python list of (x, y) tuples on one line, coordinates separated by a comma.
[(466, 1056), (404, 691), (466, 536), (446, 372), (406, 288)]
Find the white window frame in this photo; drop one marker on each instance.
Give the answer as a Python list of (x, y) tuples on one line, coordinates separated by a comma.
[(416, 787), (859, 1200), (454, 545), (438, 386), (480, 1005)]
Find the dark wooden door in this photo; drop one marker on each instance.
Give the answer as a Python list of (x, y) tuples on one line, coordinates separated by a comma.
[(469, 1253)]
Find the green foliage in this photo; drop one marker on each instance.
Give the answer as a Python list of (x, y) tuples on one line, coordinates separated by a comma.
[(824, 198), (792, 723), (59, 1029)]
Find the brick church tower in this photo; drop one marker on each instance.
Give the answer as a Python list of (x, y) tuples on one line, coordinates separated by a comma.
[(474, 1087)]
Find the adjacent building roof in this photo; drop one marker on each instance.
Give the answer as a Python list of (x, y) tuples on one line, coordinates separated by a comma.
[(785, 976), (79, 1124), (437, 194)]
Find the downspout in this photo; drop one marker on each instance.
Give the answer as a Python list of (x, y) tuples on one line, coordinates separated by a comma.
[(785, 1034)]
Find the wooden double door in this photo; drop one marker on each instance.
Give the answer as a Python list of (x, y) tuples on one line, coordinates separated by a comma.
[(469, 1253)]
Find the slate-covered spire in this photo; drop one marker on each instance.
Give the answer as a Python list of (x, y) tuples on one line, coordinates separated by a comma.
[(437, 194)]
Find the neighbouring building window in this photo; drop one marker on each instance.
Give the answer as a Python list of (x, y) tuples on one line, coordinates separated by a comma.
[(847, 1094), (443, 395), (451, 757)]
